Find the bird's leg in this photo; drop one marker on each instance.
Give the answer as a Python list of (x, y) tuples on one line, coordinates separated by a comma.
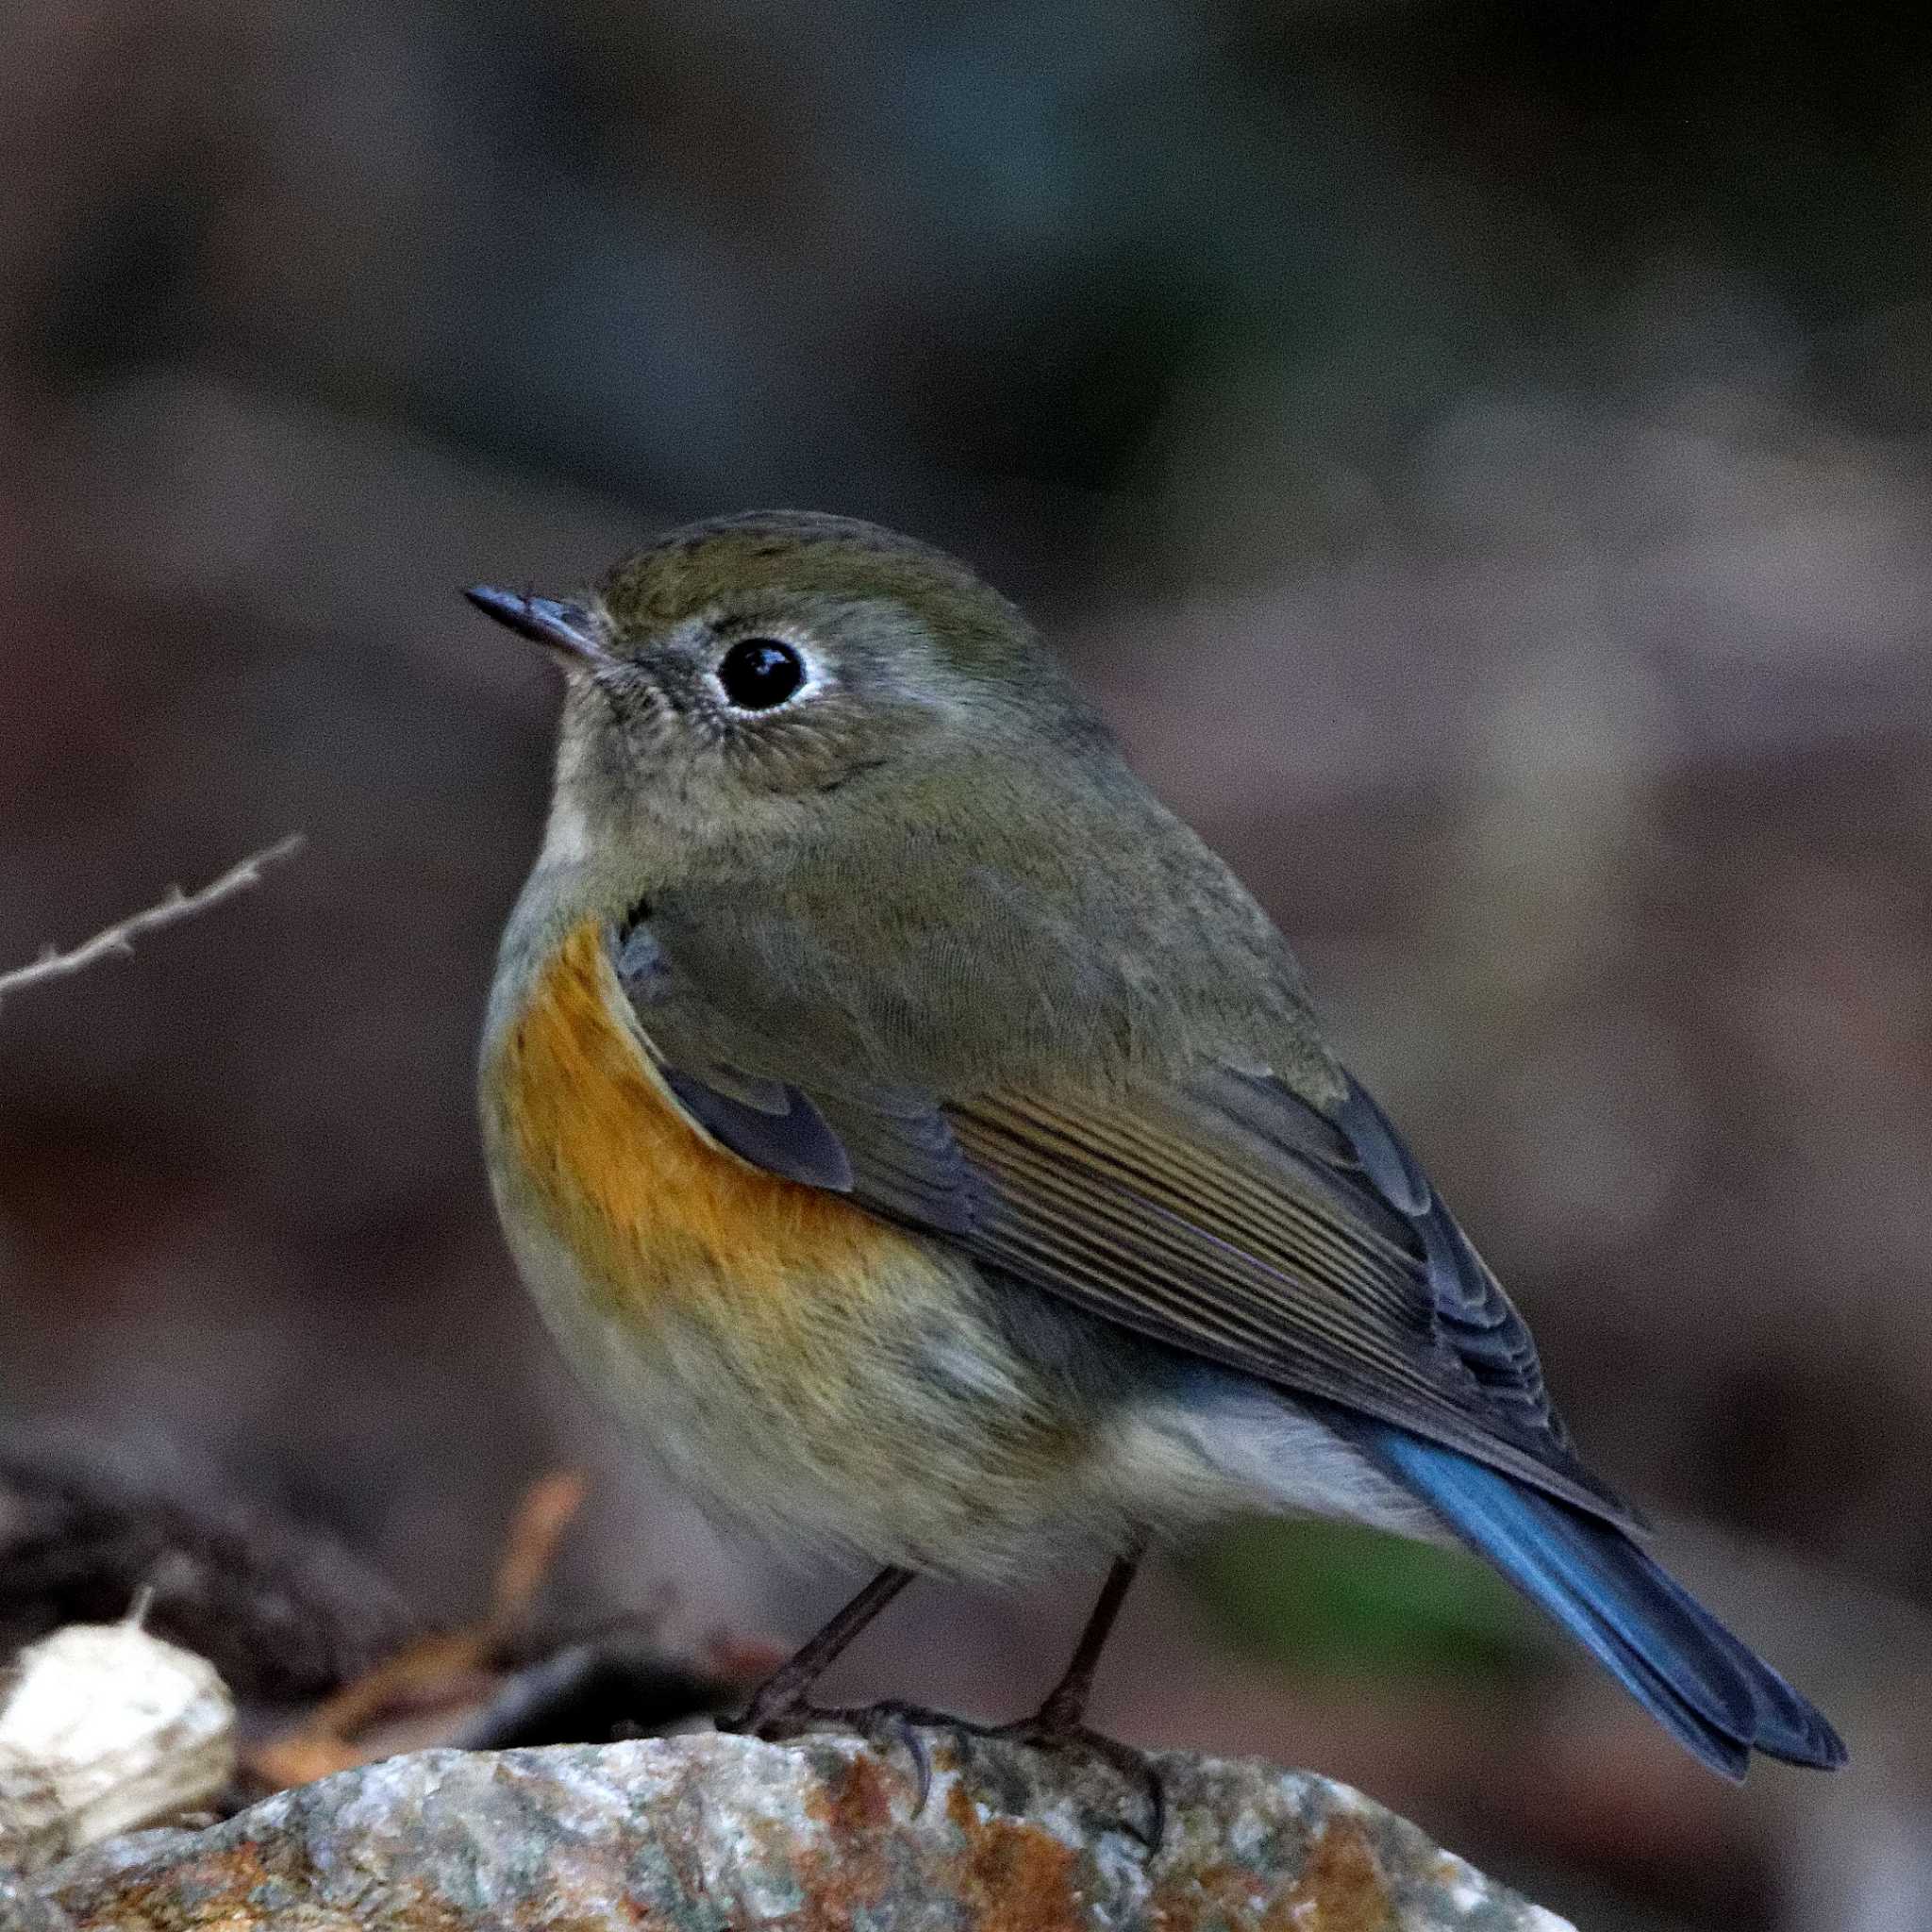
[(1055, 1725), (779, 1708), (781, 1697), (1066, 1703), (1059, 1724)]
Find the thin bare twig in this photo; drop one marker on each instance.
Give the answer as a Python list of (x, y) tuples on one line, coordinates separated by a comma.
[(176, 905)]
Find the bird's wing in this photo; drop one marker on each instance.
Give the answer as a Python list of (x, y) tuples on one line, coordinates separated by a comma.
[(1224, 1215)]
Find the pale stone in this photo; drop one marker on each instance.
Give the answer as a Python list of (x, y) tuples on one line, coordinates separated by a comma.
[(104, 1728)]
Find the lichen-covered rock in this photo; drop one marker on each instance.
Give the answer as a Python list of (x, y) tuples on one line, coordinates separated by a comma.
[(722, 1834)]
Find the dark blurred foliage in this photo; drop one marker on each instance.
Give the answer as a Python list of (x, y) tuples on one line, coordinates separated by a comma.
[(1478, 455)]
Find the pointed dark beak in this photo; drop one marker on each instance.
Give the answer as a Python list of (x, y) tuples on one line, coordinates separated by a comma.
[(564, 628)]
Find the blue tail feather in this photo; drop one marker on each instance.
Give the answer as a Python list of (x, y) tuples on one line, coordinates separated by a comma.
[(1677, 1660)]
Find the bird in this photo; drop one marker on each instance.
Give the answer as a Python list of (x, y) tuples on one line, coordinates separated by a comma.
[(931, 1148)]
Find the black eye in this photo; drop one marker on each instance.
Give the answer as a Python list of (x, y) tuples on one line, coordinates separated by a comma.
[(760, 673)]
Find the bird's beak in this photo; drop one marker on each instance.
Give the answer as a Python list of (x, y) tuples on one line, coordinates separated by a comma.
[(566, 628)]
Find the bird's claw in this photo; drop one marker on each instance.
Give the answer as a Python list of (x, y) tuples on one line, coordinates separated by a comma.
[(894, 1722), (882, 1725), (1046, 1732)]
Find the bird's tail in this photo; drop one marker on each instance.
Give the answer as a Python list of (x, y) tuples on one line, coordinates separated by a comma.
[(1669, 1652)]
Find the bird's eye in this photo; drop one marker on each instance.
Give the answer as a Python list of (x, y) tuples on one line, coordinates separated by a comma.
[(758, 673)]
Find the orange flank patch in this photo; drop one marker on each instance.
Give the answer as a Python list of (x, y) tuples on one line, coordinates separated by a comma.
[(655, 1212)]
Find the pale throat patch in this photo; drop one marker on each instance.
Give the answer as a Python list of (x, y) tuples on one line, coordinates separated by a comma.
[(566, 833)]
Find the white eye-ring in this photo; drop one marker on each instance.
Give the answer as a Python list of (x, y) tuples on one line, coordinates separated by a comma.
[(759, 673)]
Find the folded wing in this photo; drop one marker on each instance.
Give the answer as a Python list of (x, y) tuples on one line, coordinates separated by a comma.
[(1223, 1215)]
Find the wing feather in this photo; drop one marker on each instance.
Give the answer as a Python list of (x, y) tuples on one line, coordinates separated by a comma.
[(1224, 1215)]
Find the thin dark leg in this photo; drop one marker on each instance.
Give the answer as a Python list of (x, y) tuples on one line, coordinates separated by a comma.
[(779, 1709), (1066, 1703), (783, 1691), (1059, 1722)]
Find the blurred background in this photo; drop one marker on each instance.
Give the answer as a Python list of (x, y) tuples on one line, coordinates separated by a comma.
[(1478, 456)]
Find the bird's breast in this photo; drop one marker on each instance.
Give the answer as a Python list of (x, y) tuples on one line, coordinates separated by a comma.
[(800, 1364), (659, 1217)]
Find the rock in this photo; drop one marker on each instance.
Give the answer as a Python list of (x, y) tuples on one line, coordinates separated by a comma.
[(713, 1832)]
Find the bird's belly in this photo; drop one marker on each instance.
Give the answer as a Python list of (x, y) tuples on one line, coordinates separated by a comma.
[(854, 1443), (800, 1364)]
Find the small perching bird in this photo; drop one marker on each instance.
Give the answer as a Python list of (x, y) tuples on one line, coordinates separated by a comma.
[(930, 1144)]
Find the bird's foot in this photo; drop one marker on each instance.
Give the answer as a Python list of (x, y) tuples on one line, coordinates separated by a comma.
[(884, 1725), (892, 1724), (1048, 1730)]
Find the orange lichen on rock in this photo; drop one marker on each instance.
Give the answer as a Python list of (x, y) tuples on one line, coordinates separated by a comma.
[(1341, 1887)]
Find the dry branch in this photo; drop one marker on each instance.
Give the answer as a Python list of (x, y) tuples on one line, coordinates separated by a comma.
[(437, 1666), (174, 907)]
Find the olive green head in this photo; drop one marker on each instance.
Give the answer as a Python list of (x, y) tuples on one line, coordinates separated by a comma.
[(730, 675), (870, 816)]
